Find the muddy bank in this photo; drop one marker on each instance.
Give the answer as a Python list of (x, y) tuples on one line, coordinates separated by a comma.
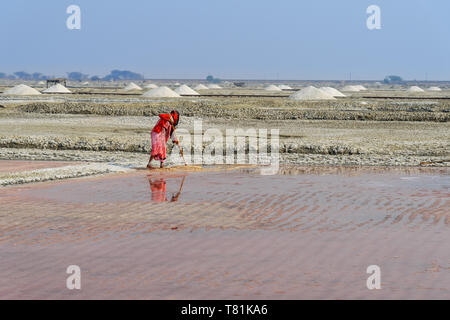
[(131, 159), (144, 146)]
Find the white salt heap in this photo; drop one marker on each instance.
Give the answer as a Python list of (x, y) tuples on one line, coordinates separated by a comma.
[(150, 86), (415, 89), (57, 88), (214, 86), (132, 86), (272, 88), (161, 92), (434, 89), (201, 87), (333, 92), (21, 90), (186, 91), (284, 87), (351, 88), (311, 93), (360, 87)]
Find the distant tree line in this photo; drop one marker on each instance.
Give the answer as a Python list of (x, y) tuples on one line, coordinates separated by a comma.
[(123, 75), (23, 76), (74, 76)]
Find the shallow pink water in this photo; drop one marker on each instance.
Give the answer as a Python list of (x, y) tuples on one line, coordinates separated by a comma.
[(230, 235)]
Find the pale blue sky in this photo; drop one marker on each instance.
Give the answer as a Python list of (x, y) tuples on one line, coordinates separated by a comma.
[(234, 39)]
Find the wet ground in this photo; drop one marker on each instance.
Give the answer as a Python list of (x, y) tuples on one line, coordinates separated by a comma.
[(19, 166), (307, 232)]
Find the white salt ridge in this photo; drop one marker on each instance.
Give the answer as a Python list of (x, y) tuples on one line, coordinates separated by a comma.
[(311, 93), (132, 86), (57, 88), (333, 92), (284, 87), (361, 88), (415, 89), (201, 87), (434, 89), (21, 90), (161, 92), (272, 88), (70, 171), (151, 86), (186, 91)]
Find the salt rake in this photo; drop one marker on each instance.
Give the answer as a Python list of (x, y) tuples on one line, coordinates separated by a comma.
[(181, 152), (181, 149)]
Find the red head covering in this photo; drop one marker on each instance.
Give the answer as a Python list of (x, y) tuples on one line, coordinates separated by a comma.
[(176, 116)]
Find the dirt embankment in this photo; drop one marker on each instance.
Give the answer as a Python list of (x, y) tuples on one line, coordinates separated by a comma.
[(143, 145), (260, 110)]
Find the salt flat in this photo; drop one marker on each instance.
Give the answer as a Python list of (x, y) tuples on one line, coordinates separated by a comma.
[(362, 181)]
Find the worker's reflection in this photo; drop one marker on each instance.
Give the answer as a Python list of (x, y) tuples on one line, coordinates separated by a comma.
[(158, 189)]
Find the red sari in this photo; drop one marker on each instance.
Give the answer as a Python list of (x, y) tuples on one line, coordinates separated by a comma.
[(160, 135)]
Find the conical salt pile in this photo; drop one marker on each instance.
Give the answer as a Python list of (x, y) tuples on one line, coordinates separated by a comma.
[(184, 90), (434, 89), (57, 88), (21, 90), (311, 93), (272, 88), (360, 87), (333, 92), (284, 87), (150, 86), (201, 87), (161, 92), (214, 86), (132, 86), (351, 88), (415, 89)]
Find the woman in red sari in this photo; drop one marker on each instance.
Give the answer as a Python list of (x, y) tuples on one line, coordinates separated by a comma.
[(161, 132)]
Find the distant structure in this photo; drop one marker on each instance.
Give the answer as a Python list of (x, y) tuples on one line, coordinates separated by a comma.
[(393, 79), (52, 82), (211, 79), (239, 84)]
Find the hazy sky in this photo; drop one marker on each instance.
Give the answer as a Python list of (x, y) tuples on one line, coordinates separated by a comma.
[(239, 39)]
